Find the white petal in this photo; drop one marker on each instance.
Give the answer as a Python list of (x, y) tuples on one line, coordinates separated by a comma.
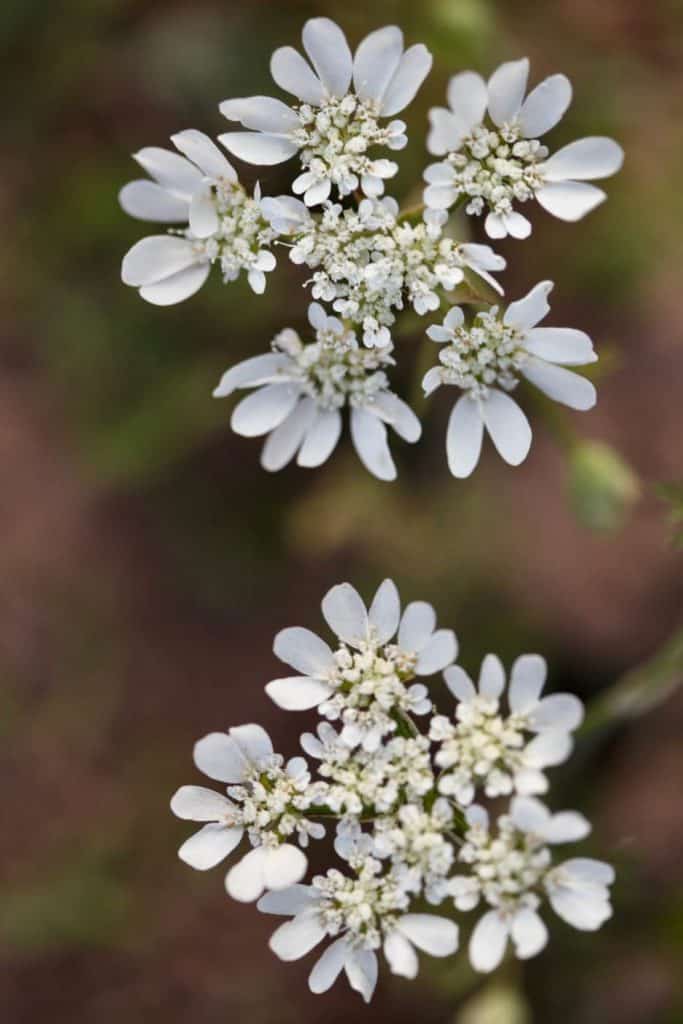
[(328, 967), (219, 757), (286, 902), (560, 345), (477, 817), (516, 225), (545, 106), (529, 934), (210, 846), (467, 97), (459, 683), (400, 955), (329, 53), (559, 711), (298, 937), (560, 384), (566, 827), (464, 436), (291, 72), (197, 803), (440, 197), (177, 287), (298, 693), (417, 625), (548, 748), (318, 193), (527, 679), (440, 335), (432, 934), (157, 257), (303, 650), (203, 152), (494, 226), (506, 88), (376, 61), (394, 411), (245, 882), (529, 814), (569, 200), (369, 436), (321, 438), (258, 147), (589, 871), (580, 909), (251, 372), (284, 866), (491, 677), (148, 201), (439, 174), (282, 444), (446, 131), (345, 613), (170, 170), (253, 741), (488, 942), (264, 410), (361, 970), (454, 318), (414, 66), (439, 651), (507, 425), (203, 213), (261, 114), (529, 310), (432, 378), (385, 611), (583, 160)]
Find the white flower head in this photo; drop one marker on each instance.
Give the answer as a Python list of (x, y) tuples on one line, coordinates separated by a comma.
[(486, 360), (225, 226), (494, 165), (266, 799), (362, 914), (367, 682), (302, 390), (369, 262), (337, 119), (487, 749), (511, 870)]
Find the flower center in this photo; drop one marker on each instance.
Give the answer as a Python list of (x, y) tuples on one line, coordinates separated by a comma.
[(507, 867), (486, 354), (241, 234), (271, 801), (363, 907), (334, 370), (335, 139)]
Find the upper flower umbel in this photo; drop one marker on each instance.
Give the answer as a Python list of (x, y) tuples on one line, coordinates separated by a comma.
[(332, 127), (492, 166)]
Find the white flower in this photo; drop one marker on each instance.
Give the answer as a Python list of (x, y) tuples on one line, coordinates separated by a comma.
[(365, 682), (225, 225), (492, 167), (332, 128), (369, 262), (487, 359), (512, 871), (266, 799), (302, 389), (486, 748), (366, 912)]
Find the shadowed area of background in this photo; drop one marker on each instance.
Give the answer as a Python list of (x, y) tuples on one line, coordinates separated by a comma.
[(147, 560)]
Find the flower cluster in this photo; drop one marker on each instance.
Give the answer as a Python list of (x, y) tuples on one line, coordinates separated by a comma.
[(407, 828), (368, 260)]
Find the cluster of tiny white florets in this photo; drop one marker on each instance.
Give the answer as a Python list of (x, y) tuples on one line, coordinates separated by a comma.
[(419, 845), (368, 263), (242, 237), (481, 747), (371, 693), (335, 370), (506, 868), (486, 354), (364, 907), (494, 168), (335, 139), (271, 803)]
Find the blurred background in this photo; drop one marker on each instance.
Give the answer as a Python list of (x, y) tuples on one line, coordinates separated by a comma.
[(147, 561)]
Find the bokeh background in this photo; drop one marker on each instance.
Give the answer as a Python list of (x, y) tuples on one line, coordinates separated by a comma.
[(146, 561)]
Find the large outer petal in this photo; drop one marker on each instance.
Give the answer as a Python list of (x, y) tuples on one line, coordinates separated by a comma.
[(208, 847), (506, 88), (282, 444), (432, 934), (219, 757), (263, 410), (385, 611), (259, 147), (583, 160), (369, 436), (345, 613), (297, 937), (526, 312), (170, 170), (204, 152), (560, 345), (527, 679), (329, 53), (467, 98), (177, 287), (303, 650), (376, 61), (298, 693), (293, 74), (155, 258), (252, 372), (328, 967), (560, 384), (569, 200), (488, 942), (413, 68), (508, 427), (321, 438), (261, 114), (417, 625), (149, 201), (464, 436), (545, 106)]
